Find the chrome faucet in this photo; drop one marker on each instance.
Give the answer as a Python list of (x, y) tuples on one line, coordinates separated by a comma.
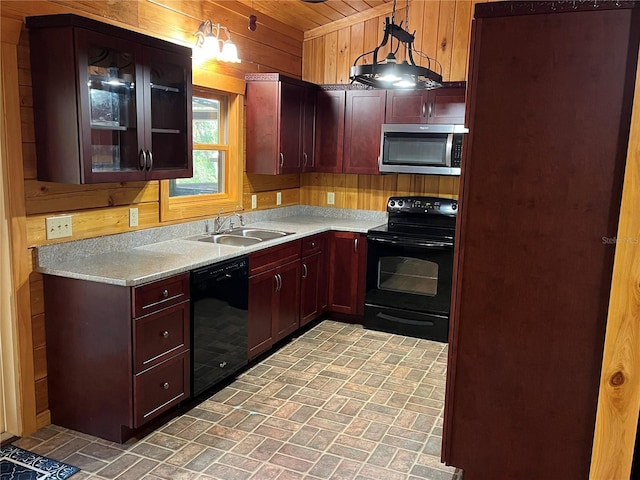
[(220, 221)]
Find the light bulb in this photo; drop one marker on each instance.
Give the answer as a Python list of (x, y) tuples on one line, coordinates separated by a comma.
[(229, 52), (406, 81)]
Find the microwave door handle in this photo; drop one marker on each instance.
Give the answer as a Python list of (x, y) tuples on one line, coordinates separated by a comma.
[(448, 149)]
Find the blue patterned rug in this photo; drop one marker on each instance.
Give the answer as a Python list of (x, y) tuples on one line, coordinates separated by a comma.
[(19, 464)]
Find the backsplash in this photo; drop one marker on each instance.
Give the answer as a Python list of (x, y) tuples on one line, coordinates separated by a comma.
[(55, 253)]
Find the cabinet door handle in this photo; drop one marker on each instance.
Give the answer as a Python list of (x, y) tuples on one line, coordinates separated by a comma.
[(281, 159), (304, 159), (355, 245), (165, 385), (430, 109), (424, 109), (278, 284), (141, 160), (304, 270), (165, 334), (149, 160)]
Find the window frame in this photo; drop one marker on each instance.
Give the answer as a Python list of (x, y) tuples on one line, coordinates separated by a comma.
[(192, 207)]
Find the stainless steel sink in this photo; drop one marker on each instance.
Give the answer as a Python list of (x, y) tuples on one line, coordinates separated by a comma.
[(241, 237), (231, 240), (258, 233)]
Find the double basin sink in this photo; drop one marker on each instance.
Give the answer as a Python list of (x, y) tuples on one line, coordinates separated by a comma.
[(242, 237)]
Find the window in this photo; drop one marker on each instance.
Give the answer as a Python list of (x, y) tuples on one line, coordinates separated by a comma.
[(216, 181), (210, 145)]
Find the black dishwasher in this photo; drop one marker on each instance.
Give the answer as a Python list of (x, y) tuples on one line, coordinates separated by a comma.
[(219, 320)]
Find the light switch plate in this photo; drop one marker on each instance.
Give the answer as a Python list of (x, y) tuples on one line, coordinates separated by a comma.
[(331, 198), (279, 198), (254, 201), (133, 217), (58, 227)]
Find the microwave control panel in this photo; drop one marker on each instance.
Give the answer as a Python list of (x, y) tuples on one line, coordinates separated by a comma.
[(456, 151)]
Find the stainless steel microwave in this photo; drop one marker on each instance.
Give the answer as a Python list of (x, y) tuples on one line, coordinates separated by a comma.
[(426, 149)]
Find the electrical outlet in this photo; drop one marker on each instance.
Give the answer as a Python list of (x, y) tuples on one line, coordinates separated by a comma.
[(58, 227), (254, 201), (331, 198), (279, 198), (133, 217)]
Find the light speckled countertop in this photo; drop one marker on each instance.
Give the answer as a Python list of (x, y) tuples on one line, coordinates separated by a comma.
[(153, 261)]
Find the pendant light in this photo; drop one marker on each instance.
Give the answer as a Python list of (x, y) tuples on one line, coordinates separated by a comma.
[(388, 73)]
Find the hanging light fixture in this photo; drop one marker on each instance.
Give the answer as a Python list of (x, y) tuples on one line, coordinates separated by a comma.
[(388, 73), (210, 45)]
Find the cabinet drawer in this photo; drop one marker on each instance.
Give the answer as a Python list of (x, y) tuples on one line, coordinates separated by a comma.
[(160, 335), (314, 244), (160, 388), (157, 295), (271, 257)]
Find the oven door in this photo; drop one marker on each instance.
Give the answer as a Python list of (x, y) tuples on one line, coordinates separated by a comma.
[(408, 287)]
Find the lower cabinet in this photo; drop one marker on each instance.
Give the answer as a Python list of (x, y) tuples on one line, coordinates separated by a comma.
[(314, 288), (347, 272), (117, 357), (274, 295), (292, 284)]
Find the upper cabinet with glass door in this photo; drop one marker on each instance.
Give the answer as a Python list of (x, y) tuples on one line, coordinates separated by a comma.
[(110, 105)]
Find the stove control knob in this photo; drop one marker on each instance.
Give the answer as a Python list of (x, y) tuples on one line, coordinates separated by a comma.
[(400, 203), (392, 203), (454, 206)]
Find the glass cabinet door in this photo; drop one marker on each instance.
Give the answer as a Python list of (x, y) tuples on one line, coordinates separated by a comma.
[(169, 109), (110, 115)]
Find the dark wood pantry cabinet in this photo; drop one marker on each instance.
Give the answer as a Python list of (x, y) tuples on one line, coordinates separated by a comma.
[(110, 105), (280, 120), (117, 357), (444, 105), (550, 97)]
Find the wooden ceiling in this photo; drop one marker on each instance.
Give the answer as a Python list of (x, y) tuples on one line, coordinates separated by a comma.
[(306, 16)]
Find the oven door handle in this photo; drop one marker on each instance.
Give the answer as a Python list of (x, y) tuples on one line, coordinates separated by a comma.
[(402, 243)]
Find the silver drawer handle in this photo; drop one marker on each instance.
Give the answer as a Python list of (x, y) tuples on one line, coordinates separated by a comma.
[(165, 334), (165, 293), (165, 385)]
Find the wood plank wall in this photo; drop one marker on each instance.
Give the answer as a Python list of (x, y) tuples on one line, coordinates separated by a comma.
[(442, 32)]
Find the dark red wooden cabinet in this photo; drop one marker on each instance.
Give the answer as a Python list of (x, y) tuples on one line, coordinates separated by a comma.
[(347, 270), (280, 121), (550, 107), (348, 129), (329, 131), (314, 286), (364, 116), (117, 357), (444, 105), (274, 295), (110, 105)]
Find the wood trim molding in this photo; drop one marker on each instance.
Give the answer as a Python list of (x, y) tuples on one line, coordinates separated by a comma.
[(10, 31), (374, 12), (11, 156), (619, 396)]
